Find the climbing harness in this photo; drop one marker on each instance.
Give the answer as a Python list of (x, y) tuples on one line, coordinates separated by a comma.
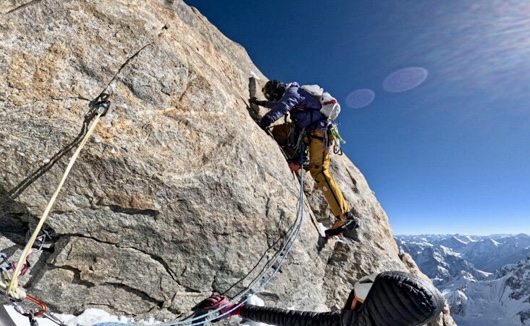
[(10, 266), (98, 108), (32, 315)]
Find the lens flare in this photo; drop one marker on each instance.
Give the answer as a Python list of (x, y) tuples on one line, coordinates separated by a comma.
[(404, 79), (360, 98)]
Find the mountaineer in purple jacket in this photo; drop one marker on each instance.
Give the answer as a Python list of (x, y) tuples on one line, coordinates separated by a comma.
[(390, 298), (305, 113)]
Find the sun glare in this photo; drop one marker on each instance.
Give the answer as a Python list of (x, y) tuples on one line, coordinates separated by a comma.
[(360, 98)]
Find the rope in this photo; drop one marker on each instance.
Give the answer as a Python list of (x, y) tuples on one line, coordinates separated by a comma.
[(283, 252), (14, 281)]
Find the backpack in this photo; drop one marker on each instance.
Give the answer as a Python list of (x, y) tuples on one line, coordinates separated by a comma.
[(330, 106)]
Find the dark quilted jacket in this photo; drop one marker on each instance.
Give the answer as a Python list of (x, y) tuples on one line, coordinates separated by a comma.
[(396, 299)]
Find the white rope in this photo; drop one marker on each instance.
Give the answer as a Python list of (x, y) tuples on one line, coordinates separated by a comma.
[(284, 251), (13, 285)]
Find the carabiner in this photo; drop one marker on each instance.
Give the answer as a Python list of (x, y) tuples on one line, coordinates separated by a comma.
[(36, 301), (100, 103)]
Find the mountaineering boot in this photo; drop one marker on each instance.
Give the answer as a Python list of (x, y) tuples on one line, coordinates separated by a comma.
[(347, 223), (295, 166), (298, 163)]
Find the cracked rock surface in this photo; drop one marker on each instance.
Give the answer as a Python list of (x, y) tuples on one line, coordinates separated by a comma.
[(178, 193)]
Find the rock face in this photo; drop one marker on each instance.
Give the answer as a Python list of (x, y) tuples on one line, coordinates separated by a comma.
[(178, 193)]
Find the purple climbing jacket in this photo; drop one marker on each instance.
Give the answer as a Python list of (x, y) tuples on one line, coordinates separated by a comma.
[(304, 109)]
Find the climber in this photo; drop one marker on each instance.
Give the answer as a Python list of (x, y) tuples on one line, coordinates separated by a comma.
[(313, 126), (386, 299)]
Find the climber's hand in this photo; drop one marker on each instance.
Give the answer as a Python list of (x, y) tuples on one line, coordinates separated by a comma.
[(264, 123), (254, 100), (218, 302)]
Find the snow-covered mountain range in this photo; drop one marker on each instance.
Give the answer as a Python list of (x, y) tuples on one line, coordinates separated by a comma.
[(485, 279)]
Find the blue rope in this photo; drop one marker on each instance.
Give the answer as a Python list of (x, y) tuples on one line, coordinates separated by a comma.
[(287, 246)]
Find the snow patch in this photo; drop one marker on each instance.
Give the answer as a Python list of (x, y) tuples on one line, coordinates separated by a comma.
[(253, 74), (88, 317)]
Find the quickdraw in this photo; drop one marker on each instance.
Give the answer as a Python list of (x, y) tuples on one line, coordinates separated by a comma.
[(32, 315), (336, 137), (11, 266), (39, 313)]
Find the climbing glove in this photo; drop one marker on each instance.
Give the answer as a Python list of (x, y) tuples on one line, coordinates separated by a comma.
[(265, 122), (254, 100), (226, 308)]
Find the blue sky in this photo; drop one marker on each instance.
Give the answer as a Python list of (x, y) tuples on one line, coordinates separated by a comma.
[(445, 141)]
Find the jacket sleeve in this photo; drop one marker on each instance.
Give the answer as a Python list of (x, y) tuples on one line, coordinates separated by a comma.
[(398, 298), (269, 104), (288, 101), (395, 299), (284, 317)]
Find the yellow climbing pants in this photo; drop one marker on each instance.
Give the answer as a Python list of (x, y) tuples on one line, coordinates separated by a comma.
[(319, 160)]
